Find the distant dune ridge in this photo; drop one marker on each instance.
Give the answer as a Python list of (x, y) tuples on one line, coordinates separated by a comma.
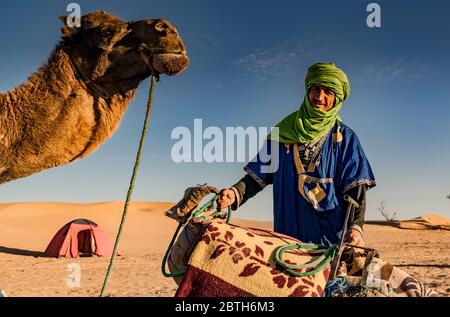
[(27, 228), (429, 221)]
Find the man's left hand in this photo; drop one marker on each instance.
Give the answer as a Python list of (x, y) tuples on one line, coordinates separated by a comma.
[(355, 237)]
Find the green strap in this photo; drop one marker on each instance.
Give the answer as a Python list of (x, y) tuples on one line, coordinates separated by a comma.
[(131, 186), (317, 264), (197, 214), (163, 265), (205, 207)]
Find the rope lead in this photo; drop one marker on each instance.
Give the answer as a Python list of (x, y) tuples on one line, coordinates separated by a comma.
[(131, 186)]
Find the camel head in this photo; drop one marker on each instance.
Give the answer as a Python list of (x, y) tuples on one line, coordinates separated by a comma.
[(113, 56)]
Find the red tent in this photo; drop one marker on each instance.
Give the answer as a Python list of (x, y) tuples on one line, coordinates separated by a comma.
[(79, 236)]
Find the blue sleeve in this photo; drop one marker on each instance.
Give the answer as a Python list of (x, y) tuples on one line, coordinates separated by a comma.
[(262, 167), (354, 167)]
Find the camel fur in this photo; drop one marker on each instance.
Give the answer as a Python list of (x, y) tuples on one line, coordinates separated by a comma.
[(75, 102)]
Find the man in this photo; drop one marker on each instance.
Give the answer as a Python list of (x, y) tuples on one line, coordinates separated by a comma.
[(319, 161)]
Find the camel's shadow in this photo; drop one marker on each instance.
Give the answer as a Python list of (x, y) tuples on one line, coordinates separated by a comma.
[(15, 251)]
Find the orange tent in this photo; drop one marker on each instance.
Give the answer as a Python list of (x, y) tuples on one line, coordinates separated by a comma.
[(79, 237)]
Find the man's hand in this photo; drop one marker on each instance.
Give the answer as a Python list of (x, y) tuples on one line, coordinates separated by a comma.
[(355, 237), (227, 198)]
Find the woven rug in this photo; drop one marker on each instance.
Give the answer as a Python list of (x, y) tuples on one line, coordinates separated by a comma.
[(232, 261)]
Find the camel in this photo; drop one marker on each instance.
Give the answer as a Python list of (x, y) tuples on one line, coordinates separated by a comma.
[(75, 102)]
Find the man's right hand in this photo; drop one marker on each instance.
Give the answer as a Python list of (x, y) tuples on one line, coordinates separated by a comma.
[(227, 198)]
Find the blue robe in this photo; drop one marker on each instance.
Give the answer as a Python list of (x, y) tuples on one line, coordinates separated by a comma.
[(313, 210)]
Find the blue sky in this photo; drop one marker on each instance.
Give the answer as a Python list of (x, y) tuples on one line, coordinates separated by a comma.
[(248, 62)]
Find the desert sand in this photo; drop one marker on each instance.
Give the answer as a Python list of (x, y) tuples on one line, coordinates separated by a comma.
[(27, 228)]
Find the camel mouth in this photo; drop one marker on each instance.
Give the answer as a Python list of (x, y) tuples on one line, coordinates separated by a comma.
[(170, 63)]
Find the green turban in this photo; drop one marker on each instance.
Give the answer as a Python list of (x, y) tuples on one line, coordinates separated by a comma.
[(309, 123), (328, 75)]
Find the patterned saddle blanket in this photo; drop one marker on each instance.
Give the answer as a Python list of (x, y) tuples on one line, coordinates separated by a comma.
[(223, 260), (234, 261), (226, 260)]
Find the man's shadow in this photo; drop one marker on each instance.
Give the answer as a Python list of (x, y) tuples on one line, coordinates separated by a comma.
[(36, 254)]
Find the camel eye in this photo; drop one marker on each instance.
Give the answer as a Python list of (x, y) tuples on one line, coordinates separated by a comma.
[(107, 33)]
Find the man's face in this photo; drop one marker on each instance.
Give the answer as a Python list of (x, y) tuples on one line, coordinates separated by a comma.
[(321, 97)]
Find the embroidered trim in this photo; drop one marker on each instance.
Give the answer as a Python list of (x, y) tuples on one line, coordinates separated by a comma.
[(301, 169), (297, 160), (255, 177), (368, 182), (316, 194), (315, 147), (310, 179), (316, 153), (238, 197)]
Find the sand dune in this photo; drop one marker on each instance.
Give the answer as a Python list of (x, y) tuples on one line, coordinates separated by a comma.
[(429, 221), (27, 228)]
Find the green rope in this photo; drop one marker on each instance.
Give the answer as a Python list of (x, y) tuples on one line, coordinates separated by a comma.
[(317, 264), (130, 188), (163, 265), (197, 214), (205, 207)]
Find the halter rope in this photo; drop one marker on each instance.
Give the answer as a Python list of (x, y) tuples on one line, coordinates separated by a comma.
[(131, 186)]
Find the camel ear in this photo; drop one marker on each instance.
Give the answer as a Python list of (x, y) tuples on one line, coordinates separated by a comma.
[(63, 19), (67, 30)]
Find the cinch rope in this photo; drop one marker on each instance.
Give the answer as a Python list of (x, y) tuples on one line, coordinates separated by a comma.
[(196, 214), (164, 261), (317, 264), (130, 188)]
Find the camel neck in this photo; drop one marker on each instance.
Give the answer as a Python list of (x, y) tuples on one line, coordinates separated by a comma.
[(53, 79), (53, 119)]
